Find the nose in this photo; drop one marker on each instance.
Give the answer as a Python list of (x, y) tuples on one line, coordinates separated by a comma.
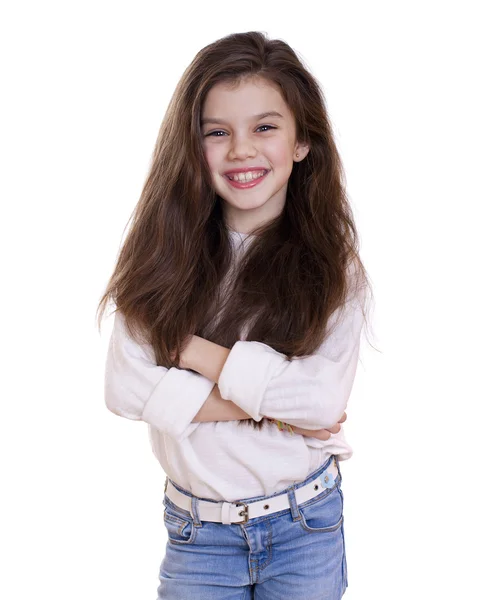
[(241, 148)]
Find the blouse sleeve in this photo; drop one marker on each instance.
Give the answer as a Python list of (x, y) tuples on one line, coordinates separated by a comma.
[(309, 392), (136, 388)]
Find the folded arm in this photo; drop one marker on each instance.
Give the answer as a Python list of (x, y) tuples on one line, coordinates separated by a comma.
[(168, 399), (309, 392)]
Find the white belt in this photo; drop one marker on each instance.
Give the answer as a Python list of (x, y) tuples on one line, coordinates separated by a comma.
[(230, 512)]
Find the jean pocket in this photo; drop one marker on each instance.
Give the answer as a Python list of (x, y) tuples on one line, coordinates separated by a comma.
[(180, 530), (323, 515)]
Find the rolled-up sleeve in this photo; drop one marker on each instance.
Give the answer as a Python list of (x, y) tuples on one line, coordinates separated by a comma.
[(137, 388), (309, 392)]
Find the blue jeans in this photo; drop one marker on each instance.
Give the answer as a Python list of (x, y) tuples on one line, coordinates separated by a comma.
[(294, 554)]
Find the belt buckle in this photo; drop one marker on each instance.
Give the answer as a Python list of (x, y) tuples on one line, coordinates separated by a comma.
[(243, 512)]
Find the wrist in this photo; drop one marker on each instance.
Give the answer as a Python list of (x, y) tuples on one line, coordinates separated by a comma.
[(205, 357), (186, 355)]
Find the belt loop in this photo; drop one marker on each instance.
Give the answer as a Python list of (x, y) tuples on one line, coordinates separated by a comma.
[(195, 512), (293, 504)]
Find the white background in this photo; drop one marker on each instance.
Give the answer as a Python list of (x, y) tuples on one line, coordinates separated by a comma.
[(85, 87)]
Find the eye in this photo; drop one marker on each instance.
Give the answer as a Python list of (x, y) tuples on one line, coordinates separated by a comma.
[(212, 134)]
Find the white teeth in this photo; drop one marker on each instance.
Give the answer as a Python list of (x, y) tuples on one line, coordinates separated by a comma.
[(248, 176)]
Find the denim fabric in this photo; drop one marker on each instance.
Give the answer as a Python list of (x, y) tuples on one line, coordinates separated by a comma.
[(294, 554)]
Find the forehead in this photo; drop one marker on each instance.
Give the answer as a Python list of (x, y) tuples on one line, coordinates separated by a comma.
[(243, 101)]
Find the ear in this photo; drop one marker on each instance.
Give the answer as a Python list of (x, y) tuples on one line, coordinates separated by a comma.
[(302, 150)]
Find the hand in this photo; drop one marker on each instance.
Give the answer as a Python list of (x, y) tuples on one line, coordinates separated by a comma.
[(320, 434)]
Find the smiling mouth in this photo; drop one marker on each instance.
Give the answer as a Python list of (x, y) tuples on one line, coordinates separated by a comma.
[(244, 181), (247, 176)]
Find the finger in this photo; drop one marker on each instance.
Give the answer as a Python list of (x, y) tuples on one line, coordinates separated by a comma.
[(322, 434), (343, 418), (335, 428)]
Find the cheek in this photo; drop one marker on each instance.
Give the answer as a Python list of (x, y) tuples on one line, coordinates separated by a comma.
[(279, 153), (213, 157)]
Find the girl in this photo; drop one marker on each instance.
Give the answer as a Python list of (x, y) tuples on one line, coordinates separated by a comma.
[(240, 299)]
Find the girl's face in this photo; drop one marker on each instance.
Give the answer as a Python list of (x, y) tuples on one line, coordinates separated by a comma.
[(237, 136)]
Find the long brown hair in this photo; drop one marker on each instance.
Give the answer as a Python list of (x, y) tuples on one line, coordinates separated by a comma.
[(177, 251)]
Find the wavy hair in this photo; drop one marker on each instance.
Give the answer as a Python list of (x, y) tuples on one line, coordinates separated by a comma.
[(294, 273)]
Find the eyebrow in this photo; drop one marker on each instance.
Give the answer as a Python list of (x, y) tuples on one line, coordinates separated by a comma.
[(270, 113)]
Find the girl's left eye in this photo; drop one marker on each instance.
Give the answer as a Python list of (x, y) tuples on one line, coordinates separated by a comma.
[(220, 131)]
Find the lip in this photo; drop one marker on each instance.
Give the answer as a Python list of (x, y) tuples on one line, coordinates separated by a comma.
[(246, 184)]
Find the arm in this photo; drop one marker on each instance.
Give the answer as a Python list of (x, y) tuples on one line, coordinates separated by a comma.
[(217, 409), (208, 358), (203, 356), (309, 392), (136, 388)]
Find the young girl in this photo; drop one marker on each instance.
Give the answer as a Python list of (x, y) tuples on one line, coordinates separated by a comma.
[(240, 299)]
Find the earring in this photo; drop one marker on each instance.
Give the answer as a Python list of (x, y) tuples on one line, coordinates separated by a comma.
[(297, 154)]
